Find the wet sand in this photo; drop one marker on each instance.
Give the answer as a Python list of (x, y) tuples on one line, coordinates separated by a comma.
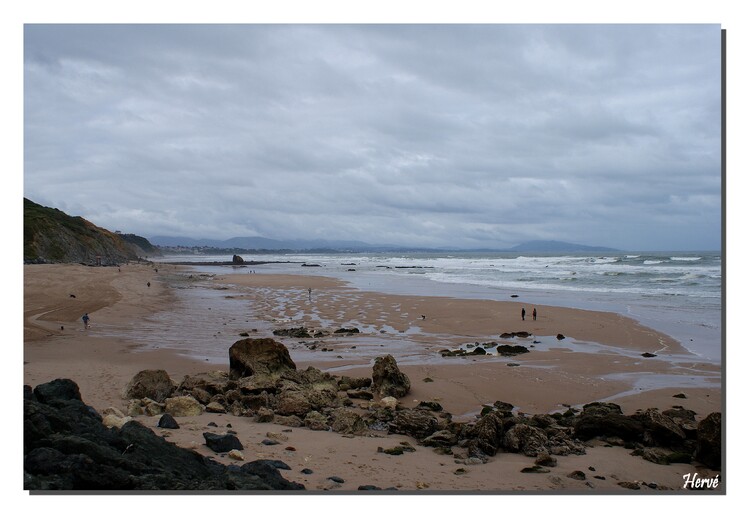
[(127, 315)]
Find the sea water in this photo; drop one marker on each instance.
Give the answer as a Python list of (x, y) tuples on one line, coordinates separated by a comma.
[(677, 293)]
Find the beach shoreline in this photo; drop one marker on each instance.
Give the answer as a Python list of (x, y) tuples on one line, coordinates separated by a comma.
[(563, 373)]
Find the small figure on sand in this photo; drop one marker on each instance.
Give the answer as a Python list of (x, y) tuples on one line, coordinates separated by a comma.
[(533, 314), (309, 294), (148, 284), (523, 314), (85, 320)]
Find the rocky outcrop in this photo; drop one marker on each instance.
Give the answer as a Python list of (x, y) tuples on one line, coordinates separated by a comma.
[(276, 392), (387, 379), (150, 383), (66, 447)]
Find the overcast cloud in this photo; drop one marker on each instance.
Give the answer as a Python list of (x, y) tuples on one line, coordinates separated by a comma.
[(418, 135)]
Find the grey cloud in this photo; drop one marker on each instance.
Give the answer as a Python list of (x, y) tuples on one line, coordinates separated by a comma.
[(427, 135)]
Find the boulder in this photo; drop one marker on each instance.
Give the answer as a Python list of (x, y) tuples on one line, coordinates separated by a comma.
[(660, 429), (250, 356), (183, 406), (708, 451), (592, 425), (387, 379), (150, 383), (237, 260), (487, 433), (222, 442), (531, 441)]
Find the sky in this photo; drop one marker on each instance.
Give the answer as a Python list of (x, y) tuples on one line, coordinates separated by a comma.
[(476, 136)]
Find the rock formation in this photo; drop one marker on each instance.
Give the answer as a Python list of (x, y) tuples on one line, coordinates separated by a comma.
[(67, 447)]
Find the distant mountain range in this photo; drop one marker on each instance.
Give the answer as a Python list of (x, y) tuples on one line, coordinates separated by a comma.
[(268, 244), (51, 236)]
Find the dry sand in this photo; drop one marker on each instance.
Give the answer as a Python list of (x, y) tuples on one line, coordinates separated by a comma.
[(57, 346)]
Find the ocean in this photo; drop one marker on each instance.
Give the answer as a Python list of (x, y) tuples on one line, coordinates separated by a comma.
[(677, 293)]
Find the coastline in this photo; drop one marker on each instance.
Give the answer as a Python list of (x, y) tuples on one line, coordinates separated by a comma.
[(544, 380)]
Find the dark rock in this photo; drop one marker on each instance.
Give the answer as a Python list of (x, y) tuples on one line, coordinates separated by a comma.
[(630, 485), (504, 407), (295, 333), (592, 425), (268, 471), (709, 441), (487, 433), (237, 260), (66, 447), (560, 336), (168, 422), (250, 356), (418, 423), (535, 469), (577, 474), (531, 441), (347, 330), (368, 487), (336, 479), (679, 395), (432, 406), (387, 379), (648, 355), (306, 471), (601, 408), (507, 350), (222, 442), (269, 442), (660, 429), (57, 390)]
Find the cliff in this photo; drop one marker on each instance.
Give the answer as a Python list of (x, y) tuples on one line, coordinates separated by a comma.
[(51, 236)]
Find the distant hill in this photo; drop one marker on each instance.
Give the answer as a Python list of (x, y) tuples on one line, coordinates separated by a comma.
[(51, 236), (557, 246), (260, 243)]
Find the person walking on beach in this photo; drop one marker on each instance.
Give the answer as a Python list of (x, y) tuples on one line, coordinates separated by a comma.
[(523, 314), (85, 320), (533, 314), (309, 294)]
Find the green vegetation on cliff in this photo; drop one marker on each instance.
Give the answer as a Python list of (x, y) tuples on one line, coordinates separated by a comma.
[(51, 236)]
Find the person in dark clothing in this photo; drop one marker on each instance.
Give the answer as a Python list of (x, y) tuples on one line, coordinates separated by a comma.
[(533, 314), (85, 320), (523, 314)]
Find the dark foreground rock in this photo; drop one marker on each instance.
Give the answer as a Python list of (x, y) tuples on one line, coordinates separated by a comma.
[(66, 447)]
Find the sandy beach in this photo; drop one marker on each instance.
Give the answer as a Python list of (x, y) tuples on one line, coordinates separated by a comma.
[(599, 359)]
